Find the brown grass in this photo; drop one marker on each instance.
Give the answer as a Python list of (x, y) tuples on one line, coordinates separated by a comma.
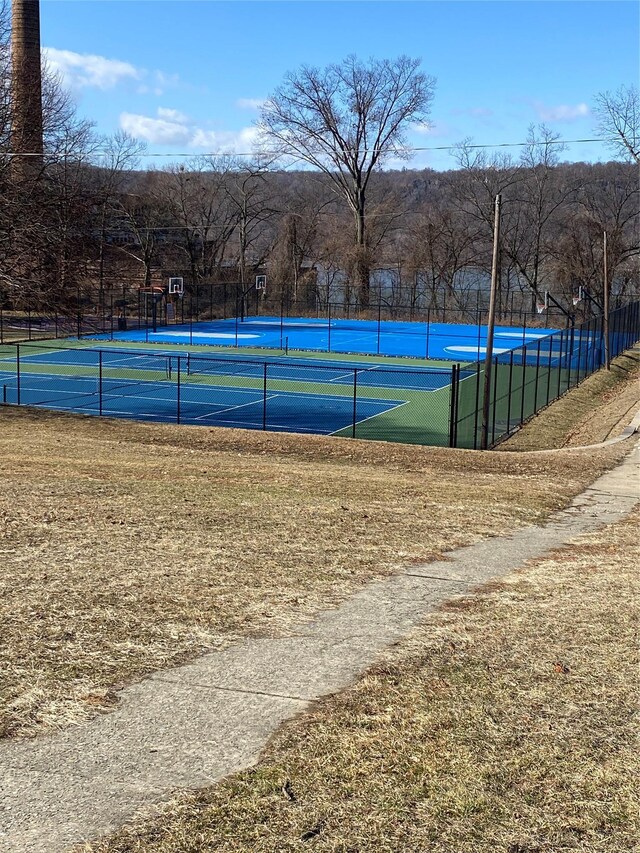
[(598, 409), (129, 547), (504, 725)]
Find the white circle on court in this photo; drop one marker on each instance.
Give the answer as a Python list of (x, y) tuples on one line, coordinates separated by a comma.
[(473, 349), (224, 335), (522, 335)]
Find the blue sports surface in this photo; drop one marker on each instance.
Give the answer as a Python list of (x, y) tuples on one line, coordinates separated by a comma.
[(451, 342)]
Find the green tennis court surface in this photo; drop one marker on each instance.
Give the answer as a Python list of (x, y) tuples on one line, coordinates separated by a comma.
[(389, 399)]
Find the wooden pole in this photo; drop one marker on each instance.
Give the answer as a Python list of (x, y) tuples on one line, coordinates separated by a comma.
[(486, 397), (605, 319)]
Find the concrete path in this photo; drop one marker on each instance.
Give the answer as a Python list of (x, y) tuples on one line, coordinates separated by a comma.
[(191, 726)]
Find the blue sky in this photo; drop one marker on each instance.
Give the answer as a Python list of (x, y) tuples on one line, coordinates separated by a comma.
[(187, 75)]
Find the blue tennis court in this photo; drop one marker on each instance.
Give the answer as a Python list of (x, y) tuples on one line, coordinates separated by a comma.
[(452, 342), (204, 405)]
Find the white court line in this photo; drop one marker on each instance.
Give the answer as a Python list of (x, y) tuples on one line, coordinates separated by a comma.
[(232, 408), (368, 418)]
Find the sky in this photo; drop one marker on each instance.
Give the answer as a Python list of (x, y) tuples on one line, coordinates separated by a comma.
[(188, 76)]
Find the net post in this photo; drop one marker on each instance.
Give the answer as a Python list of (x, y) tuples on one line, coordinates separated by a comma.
[(18, 374), (264, 398), (355, 400), (100, 382)]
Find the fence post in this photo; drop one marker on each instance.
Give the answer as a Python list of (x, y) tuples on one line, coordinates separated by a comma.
[(178, 385), (355, 400), (264, 398), (524, 383), (475, 423), (329, 326), (495, 400), (100, 382), (18, 374), (379, 318), (428, 327), (453, 405), (535, 393), (560, 363), (510, 385)]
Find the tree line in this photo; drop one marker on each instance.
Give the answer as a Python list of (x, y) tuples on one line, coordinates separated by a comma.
[(92, 217)]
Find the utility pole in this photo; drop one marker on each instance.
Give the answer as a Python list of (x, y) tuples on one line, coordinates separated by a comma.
[(486, 397), (605, 319)]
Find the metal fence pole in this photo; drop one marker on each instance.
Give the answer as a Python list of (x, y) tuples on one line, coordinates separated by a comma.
[(329, 326), (18, 374), (453, 405), (428, 329), (524, 383), (477, 412), (560, 363), (495, 399), (100, 382), (178, 386), (510, 386), (355, 400), (264, 398)]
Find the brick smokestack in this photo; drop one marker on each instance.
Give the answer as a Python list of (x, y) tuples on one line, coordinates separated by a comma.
[(26, 125)]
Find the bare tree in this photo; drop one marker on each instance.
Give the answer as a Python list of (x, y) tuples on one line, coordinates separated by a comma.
[(198, 199), (346, 120), (618, 117)]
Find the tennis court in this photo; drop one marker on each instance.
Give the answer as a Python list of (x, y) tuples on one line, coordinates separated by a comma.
[(291, 394)]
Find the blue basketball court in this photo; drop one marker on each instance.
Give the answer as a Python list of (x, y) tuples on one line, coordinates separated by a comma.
[(451, 342)]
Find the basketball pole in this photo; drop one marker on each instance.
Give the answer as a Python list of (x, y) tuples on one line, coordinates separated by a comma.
[(486, 397)]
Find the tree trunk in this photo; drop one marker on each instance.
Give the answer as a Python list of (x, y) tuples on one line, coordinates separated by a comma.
[(362, 265)]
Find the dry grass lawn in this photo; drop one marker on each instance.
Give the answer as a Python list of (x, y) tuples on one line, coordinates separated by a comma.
[(129, 547), (505, 725)]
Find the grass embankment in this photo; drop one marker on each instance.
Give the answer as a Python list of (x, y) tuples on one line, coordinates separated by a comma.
[(598, 409), (504, 725), (130, 547)]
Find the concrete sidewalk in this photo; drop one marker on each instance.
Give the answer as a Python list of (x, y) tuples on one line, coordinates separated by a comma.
[(191, 726)]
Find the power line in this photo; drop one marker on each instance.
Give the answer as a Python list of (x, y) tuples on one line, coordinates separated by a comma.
[(258, 154)]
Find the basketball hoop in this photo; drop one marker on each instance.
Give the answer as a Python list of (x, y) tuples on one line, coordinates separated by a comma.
[(176, 285), (261, 282)]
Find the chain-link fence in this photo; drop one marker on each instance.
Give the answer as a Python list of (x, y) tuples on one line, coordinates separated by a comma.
[(528, 378), (391, 403), (90, 311)]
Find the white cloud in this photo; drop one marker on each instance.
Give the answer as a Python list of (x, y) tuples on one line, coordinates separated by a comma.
[(250, 103), (88, 70), (83, 70), (172, 115), (225, 141), (171, 127), (158, 131), (563, 112)]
